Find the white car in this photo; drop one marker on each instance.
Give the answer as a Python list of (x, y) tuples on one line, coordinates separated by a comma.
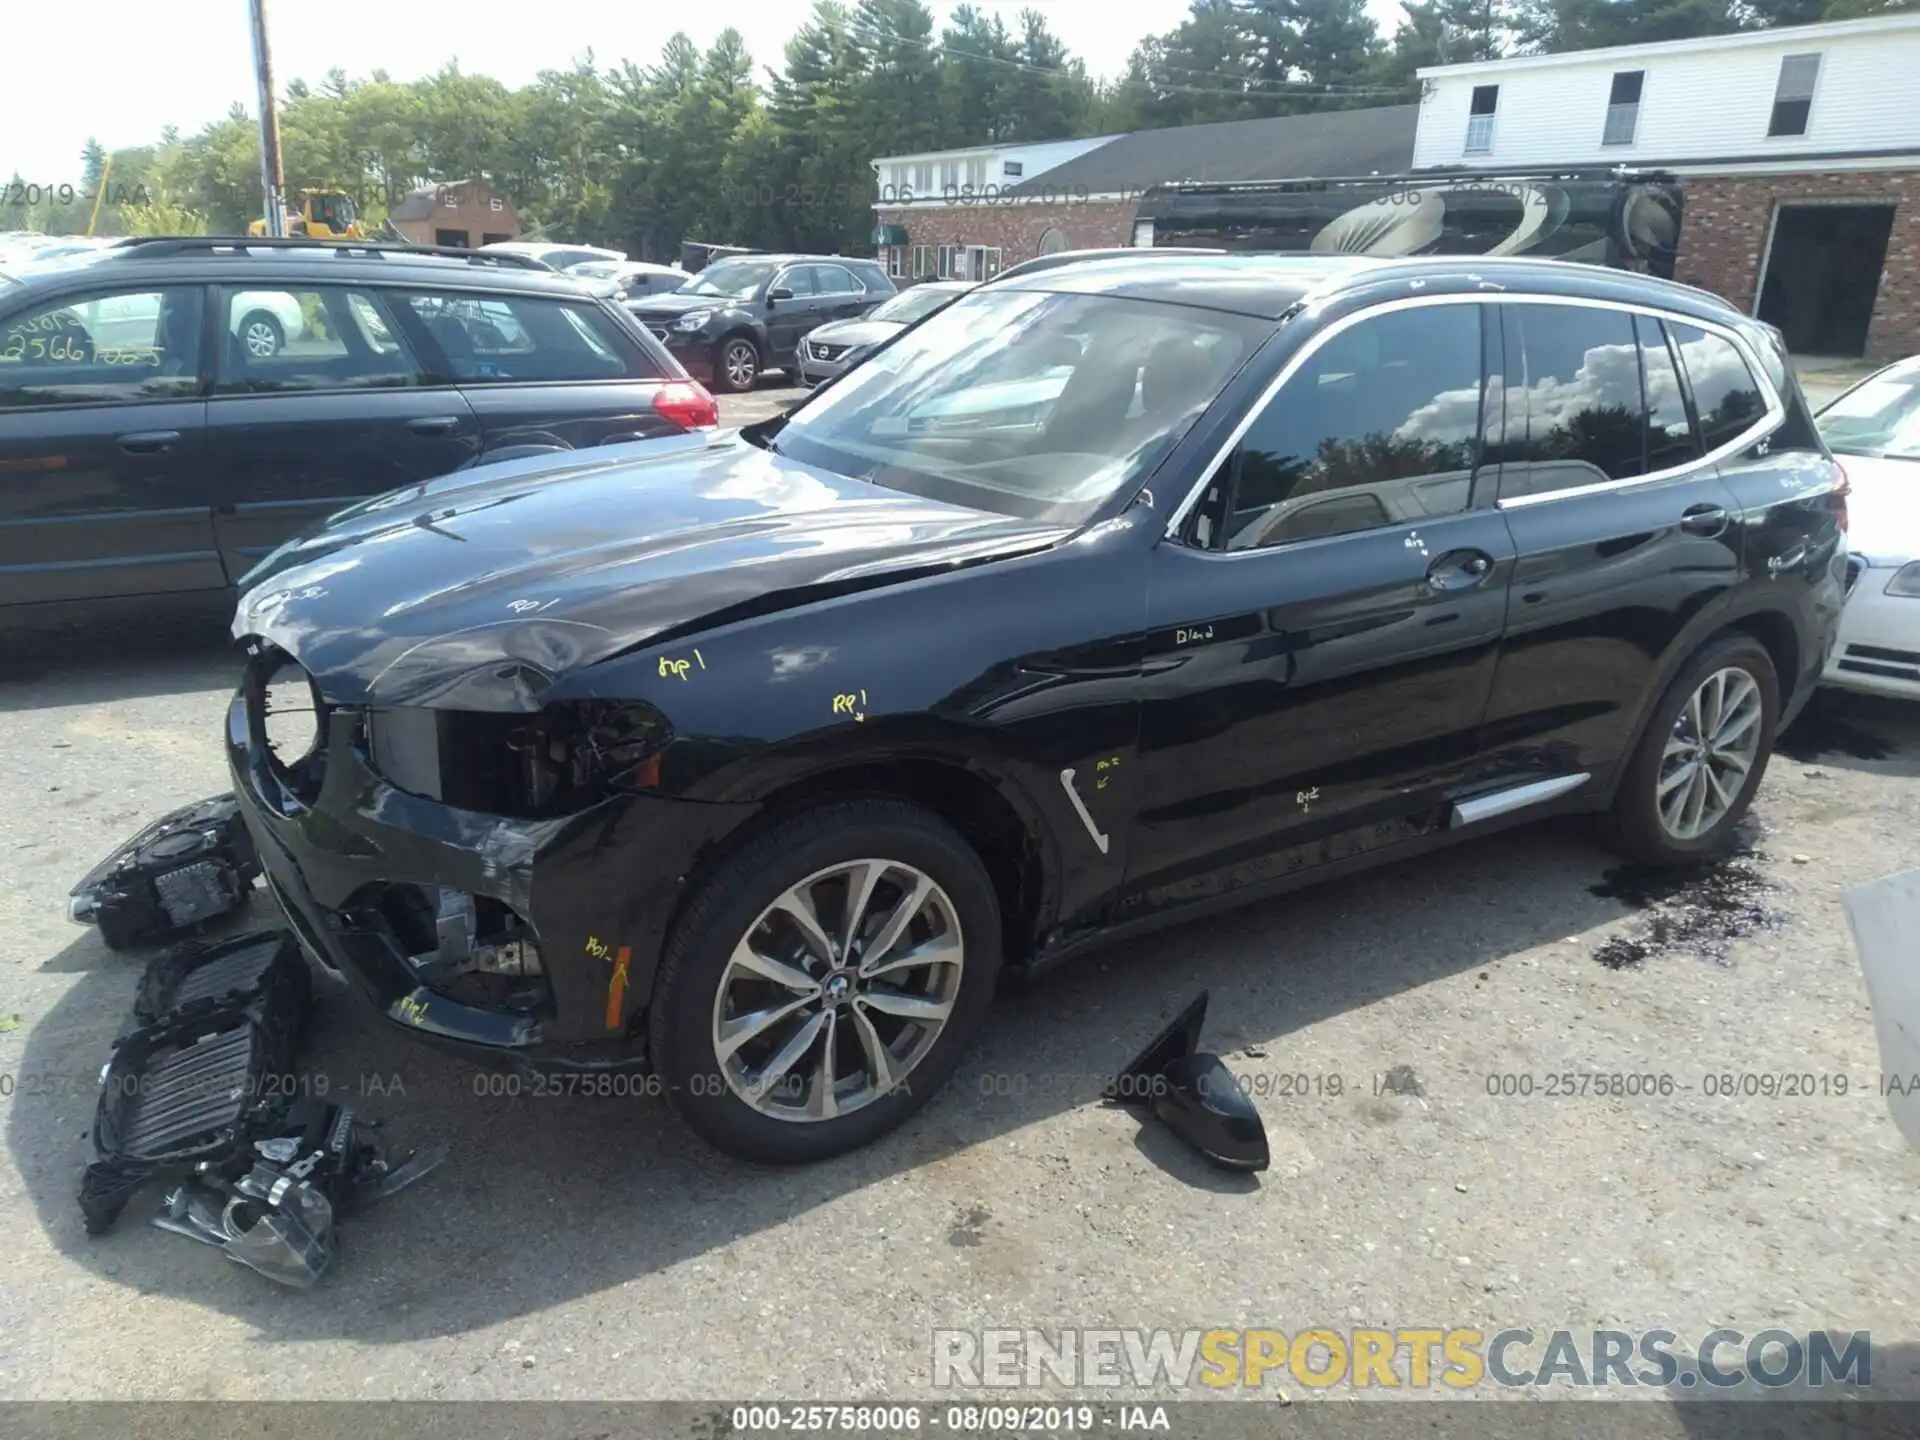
[(560, 257), (1874, 431), (262, 320), (626, 279)]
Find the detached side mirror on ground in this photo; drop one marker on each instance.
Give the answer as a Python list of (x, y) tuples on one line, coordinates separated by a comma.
[(1195, 1095)]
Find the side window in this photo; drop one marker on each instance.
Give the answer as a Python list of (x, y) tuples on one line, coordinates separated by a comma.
[(1575, 417), (102, 350), (321, 338), (834, 280), (1671, 440), (797, 278), (1381, 426), (1726, 396), (507, 338)]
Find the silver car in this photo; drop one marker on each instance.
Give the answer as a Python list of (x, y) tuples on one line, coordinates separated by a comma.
[(831, 349)]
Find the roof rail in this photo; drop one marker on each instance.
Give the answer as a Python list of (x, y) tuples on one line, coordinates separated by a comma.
[(1074, 257), (147, 246)]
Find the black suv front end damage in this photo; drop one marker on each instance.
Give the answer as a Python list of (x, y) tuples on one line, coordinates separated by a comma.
[(472, 874)]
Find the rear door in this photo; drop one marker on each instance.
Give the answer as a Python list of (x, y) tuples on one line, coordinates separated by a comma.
[(340, 407), (102, 436), (1624, 529), (545, 373), (838, 294)]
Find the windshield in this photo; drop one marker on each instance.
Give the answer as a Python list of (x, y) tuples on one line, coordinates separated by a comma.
[(915, 304), (1880, 417), (1030, 404), (336, 212), (735, 278), (595, 269)]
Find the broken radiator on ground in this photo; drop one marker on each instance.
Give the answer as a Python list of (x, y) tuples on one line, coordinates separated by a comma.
[(202, 1093)]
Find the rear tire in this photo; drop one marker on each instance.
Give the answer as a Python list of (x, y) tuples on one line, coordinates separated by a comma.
[(765, 1089), (1693, 774)]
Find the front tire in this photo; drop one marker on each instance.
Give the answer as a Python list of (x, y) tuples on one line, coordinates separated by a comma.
[(1694, 772), (786, 1035), (736, 369)]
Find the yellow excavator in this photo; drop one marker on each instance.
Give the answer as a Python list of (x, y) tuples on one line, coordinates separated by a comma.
[(323, 215)]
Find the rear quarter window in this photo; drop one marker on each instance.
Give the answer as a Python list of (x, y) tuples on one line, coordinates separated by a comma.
[(507, 339)]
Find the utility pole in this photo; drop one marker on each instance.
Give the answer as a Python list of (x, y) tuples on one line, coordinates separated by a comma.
[(272, 179)]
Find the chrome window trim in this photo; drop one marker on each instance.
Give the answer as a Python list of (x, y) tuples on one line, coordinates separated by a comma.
[(1776, 411)]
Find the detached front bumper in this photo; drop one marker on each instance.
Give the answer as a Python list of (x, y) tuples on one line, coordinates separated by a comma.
[(1877, 651), (598, 890)]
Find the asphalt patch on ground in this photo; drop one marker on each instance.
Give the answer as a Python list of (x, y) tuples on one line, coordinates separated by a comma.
[(1832, 725), (1698, 909)]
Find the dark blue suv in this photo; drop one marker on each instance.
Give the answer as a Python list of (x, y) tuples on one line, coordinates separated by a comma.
[(173, 409)]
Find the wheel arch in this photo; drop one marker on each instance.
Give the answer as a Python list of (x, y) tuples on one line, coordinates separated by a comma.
[(988, 810), (1769, 624)]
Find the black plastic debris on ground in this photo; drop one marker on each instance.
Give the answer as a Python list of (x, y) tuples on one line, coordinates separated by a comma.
[(200, 1093), (1696, 909), (190, 866)]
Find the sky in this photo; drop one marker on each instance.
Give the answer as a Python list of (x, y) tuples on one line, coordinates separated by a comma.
[(139, 66)]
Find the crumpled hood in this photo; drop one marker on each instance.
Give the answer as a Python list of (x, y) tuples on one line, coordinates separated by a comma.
[(478, 589)]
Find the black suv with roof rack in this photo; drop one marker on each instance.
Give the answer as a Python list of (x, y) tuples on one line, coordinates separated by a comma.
[(1118, 591), (746, 314), (173, 409)]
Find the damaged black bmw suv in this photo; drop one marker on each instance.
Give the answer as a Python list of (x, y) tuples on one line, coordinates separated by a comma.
[(1118, 591)]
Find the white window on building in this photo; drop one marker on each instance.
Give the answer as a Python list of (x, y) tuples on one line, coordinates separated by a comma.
[(1793, 96), (896, 261), (949, 176), (1054, 241), (923, 179), (1623, 107), (1486, 101), (949, 258), (977, 173), (1014, 169), (922, 262)]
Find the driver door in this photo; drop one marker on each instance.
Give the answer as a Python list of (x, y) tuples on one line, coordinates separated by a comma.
[(789, 319)]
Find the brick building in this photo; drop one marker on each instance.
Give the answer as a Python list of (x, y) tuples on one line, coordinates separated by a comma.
[(1797, 152), (463, 213), (969, 213)]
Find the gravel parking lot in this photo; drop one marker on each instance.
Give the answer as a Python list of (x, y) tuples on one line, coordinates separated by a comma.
[(591, 1248)]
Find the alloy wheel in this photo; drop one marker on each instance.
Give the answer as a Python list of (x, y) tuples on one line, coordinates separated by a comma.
[(742, 366), (838, 990), (1714, 743), (260, 340)]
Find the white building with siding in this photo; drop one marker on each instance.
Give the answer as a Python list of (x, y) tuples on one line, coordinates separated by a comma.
[(1797, 149)]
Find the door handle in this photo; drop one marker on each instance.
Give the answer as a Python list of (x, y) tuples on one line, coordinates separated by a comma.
[(1708, 520), (1459, 570), (149, 442), (434, 425)]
